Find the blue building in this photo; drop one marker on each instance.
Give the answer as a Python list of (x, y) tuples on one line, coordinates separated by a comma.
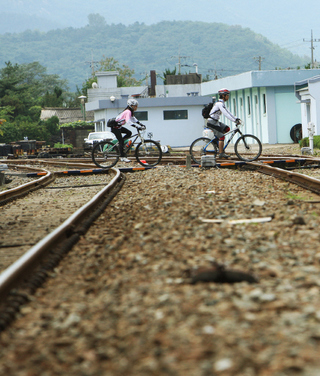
[(265, 100)]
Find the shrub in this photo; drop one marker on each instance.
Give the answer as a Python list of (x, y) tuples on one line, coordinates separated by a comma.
[(305, 142), (58, 145)]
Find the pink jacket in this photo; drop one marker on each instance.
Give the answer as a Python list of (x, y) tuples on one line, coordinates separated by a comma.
[(127, 118)]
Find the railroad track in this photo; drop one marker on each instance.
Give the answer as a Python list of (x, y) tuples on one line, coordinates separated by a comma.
[(131, 275), (40, 221), (34, 228)]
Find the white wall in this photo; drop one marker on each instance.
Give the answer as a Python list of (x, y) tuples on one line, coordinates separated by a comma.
[(175, 133), (309, 96), (315, 105)]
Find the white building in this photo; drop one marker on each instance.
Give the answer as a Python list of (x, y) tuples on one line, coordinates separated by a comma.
[(265, 100), (308, 93), (172, 120)]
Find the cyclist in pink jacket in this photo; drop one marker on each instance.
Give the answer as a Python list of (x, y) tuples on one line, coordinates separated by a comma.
[(219, 128), (126, 117)]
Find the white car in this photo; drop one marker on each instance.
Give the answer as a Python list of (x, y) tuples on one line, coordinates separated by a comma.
[(94, 137)]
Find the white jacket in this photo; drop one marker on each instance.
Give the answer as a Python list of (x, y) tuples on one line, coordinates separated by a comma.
[(218, 109)]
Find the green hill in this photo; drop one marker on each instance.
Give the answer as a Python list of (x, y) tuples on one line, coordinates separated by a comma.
[(217, 49)]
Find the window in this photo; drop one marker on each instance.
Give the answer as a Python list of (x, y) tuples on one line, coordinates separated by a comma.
[(234, 106), (175, 115), (141, 115), (264, 104), (249, 106)]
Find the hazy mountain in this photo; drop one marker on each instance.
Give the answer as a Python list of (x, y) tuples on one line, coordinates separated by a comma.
[(72, 53), (284, 22)]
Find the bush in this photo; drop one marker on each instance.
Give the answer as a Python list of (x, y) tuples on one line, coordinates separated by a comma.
[(59, 146), (79, 123), (305, 142)]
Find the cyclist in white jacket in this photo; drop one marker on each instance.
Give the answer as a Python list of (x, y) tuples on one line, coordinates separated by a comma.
[(219, 128)]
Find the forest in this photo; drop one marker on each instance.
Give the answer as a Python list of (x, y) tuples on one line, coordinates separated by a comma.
[(218, 50)]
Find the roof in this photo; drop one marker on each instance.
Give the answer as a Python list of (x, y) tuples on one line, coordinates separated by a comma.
[(263, 78), (308, 80), (149, 102)]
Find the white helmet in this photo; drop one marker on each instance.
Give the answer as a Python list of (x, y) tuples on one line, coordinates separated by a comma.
[(132, 102)]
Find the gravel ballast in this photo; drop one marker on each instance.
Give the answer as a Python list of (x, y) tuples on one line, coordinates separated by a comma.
[(122, 301)]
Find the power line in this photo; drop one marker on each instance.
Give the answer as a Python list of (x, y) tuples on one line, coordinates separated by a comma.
[(259, 59), (180, 57), (312, 47), (92, 63)]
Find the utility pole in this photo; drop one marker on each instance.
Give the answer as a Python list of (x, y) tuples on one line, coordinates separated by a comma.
[(92, 63), (312, 47), (259, 58), (179, 57)]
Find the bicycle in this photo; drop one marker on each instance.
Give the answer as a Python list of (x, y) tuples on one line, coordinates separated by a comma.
[(106, 154), (248, 147)]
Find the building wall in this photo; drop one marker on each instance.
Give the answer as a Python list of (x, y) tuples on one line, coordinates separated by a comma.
[(310, 106), (267, 112), (282, 109), (314, 89), (175, 133), (179, 132), (287, 112)]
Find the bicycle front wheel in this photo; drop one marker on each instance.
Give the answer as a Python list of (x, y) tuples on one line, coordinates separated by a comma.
[(248, 148), (148, 153), (202, 146), (105, 154)]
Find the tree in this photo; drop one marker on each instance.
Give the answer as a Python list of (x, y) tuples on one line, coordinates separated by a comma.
[(24, 89), (53, 99), (96, 20), (26, 85), (107, 64), (168, 72), (125, 77)]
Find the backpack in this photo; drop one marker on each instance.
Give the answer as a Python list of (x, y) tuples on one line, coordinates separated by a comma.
[(206, 109), (112, 123)]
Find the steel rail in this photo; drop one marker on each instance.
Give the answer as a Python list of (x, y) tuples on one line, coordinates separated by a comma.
[(45, 178), (11, 276), (303, 181)]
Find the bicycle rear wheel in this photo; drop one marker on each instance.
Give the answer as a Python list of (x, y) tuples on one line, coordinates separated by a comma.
[(248, 148), (148, 153), (105, 154), (202, 146)]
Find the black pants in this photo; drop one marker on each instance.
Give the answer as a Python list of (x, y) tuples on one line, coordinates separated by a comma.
[(118, 133), (218, 128)]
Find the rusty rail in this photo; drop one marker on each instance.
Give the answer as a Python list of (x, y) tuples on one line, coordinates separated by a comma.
[(303, 181), (12, 275)]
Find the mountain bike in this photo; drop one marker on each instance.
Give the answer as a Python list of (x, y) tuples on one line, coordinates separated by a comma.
[(247, 147), (147, 152)]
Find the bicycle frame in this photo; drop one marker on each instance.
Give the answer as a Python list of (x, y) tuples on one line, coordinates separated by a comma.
[(134, 138), (232, 132)]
